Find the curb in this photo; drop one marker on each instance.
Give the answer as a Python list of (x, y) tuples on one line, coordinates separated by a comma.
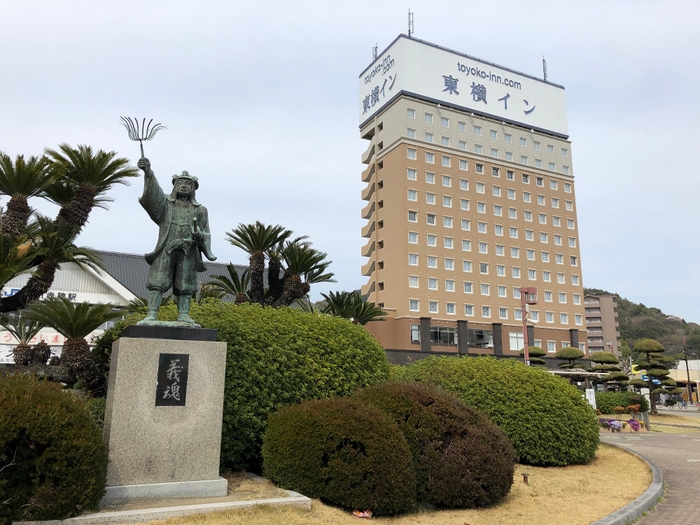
[(633, 511)]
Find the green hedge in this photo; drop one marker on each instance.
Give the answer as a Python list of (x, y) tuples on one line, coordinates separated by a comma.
[(461, 458), (278, 357), (607, 401), (342, 451), (546, 419), (51, 452)]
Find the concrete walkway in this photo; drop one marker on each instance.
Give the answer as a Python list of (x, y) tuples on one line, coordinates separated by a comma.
[(678, 457)]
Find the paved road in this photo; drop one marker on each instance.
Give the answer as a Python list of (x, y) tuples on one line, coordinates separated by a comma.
[(678, 457)]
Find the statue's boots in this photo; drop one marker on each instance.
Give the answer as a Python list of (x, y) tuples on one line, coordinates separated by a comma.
[(183, 310), (154, 301)]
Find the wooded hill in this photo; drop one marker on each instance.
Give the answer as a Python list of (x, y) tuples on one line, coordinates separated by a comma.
[(638, 321)]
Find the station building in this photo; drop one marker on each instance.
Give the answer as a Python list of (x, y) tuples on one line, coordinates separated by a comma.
[(469, 196)]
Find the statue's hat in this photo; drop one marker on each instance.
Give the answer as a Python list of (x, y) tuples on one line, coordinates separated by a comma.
[(186, 175)]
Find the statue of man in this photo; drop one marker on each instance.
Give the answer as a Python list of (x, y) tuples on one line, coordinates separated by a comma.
[(182, 239)]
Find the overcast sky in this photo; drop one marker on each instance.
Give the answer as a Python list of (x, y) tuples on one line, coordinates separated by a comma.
[(260, 100)]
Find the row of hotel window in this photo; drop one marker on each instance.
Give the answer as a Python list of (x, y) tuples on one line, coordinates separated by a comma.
[(493, 134), (486, 312), (446, 160), (449, 243), (485, 289), (447, 200), (495, 172), (449, 264), (448, 222)]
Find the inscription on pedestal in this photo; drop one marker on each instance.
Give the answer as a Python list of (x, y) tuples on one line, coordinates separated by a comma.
[(171, 389)]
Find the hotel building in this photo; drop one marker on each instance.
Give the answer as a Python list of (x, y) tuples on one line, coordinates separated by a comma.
[(469, 196)]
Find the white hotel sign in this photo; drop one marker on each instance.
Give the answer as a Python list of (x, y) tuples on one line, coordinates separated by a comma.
[(431, 72)]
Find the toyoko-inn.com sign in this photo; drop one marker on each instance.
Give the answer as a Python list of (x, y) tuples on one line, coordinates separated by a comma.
[(428, 71)]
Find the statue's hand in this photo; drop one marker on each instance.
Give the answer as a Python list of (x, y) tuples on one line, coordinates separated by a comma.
[(144, 164)]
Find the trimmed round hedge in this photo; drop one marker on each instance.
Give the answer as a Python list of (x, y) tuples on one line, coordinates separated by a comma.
[(547, 420), (278, 357), (54, 462), (461, 458), (342, 451)]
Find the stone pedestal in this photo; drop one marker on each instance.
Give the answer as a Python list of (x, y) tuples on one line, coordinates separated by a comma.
[(160, 446)]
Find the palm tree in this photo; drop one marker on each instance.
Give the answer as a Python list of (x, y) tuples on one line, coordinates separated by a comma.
[(234, 284), (16, 257), (24, 330), (75, 322), (207, 291), (21, 180), (91, 173), (257, 239), (352, 306), (302, 262)]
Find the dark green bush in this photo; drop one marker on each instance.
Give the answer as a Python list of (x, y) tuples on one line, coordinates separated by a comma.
[(547, 420), (342, 451), (461, 458), (52, 457), (278, 357), (96, 407), (606, 401)]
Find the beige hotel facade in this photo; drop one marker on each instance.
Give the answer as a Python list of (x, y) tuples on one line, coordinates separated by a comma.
[(469, 196)]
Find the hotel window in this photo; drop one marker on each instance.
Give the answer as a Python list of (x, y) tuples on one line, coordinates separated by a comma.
[(510, 175), (429, 137), (412, 174), (447, 222), (431, 240), (562, 297), (564, 318), (497, 210), (515, 272), (574, 280), (481, 227), (500, 250), (503, 313), (483, 247), (565, 170), (429, 157), (552, 184), (462, 145), (413, 281), (569, 205), (570, 224), (515, 253), (466, 245), (448, 243), (479, 168), (550, 148), (543, 238), (485, 311), (508, 137), (527, 215), (556, 221), (462, 164), (468, 287), (540, 200), (429, 118), (411, 153), (469, 309), (484, 268), (413, 259), (450, 308), (501, 272), (542, 218), (478, 149), (410, 113), (494, 134), (463, 184), (449, 264), (447, 181), (467, 266), (432, 261), (464, 204), (564, 152), (526, 178), (523, 142), (535, 316), (572, 242), (513, 232), (559, 258), (413, 305), (551, 345), (485, 289), (496, 191), (529, 235), (412, 216), (412, 195), (445, 141), (411, 133), (430, 198), (412, 238), (433, 307), (530, 255), (532, 275), (502, 291), (523, 159), (477, 130), (509, 156), (430, 219), (538, 163), (557, 240), (561, 278), (512, 213), (444, 122), (496, 172), (576, 298), (546, 276), (498, 230), (578, 319), (552, 166), (567, 188), (432, 283), (466, 224), (545, 257), (480, 187), (537, 145), (516, 292), (446, 201), (462, 126), (429, 177), (548, 297), (511, 194), (446, 161), (518, 316), (573, 260), (494, 153)]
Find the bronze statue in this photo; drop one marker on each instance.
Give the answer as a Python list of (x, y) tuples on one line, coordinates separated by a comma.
[(182, 239)]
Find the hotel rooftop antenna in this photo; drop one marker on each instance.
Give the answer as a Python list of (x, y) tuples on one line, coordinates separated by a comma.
[(410, 24), (374, 52), (544, 69)]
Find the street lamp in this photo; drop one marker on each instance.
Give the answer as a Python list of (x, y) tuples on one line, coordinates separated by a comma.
[(528, 296)]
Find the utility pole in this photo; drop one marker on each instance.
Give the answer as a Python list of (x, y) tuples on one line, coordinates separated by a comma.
[(528, 296), (687, 371)]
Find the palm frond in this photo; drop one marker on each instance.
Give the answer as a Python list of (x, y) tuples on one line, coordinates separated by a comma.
[(20, 327), (72, 320)]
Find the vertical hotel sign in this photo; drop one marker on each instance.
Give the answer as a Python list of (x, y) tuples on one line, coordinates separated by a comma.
[(440, 75)]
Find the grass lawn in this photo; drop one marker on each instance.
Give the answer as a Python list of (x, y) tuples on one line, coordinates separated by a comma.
[(573, 495), (658, 423)]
